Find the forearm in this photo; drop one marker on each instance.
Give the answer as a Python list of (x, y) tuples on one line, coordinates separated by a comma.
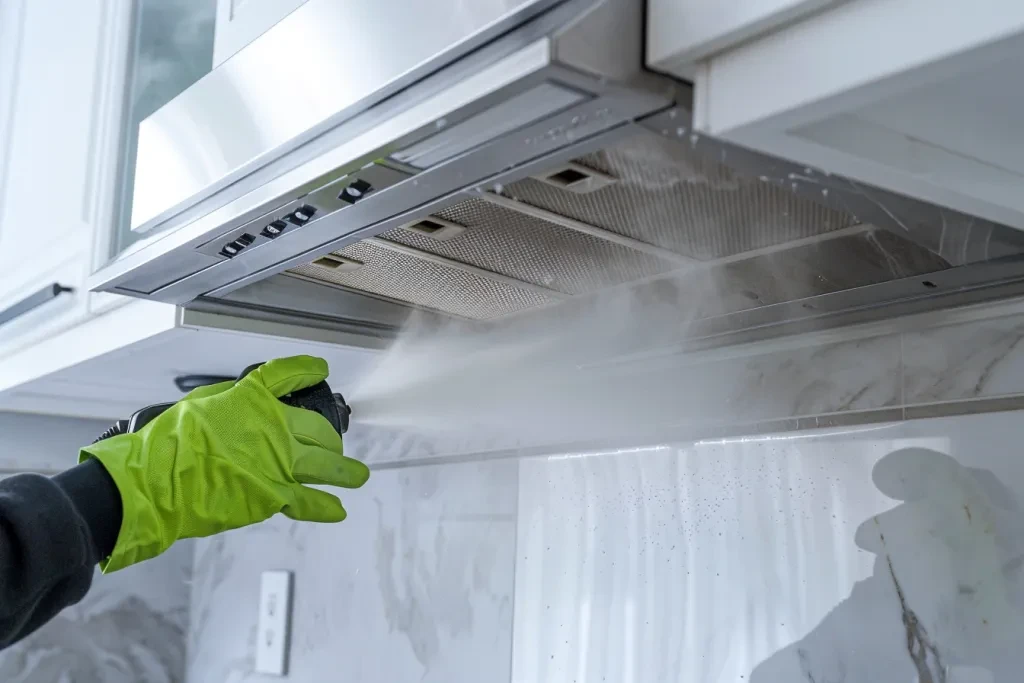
[(53, 531)]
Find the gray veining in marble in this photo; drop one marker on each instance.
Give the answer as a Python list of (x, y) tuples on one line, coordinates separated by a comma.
[(972, 360), (858, 375), (129, 628), (854, 375), (415, 585)]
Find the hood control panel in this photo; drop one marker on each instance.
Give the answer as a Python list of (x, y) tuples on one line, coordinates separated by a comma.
[(328, 199), (262, 230)]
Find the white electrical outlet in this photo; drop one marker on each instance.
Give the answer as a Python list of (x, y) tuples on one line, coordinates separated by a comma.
[(274, 623)]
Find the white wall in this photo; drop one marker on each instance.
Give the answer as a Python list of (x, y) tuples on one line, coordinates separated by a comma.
[(37, 443)]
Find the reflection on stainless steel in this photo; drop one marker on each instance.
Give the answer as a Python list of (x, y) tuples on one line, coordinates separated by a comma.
[(515, 112), (319, 65), (133, 272)]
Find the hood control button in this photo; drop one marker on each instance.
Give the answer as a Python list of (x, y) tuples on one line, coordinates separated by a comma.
[(273, 229), (356, 190), (301, 215)]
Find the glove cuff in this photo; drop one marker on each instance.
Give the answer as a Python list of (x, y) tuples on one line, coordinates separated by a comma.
[(137, 539)]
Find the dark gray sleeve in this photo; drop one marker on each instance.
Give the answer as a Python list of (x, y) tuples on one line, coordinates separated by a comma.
[(53, 532)]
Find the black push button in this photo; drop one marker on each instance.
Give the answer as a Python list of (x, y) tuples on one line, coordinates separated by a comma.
[(231, 249), (274, 229), (301, 215), (357, 189)]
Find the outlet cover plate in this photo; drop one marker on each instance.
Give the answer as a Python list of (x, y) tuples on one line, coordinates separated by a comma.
[(274, 623)]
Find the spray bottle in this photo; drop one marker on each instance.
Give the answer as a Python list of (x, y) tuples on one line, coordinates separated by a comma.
[(319, 398)]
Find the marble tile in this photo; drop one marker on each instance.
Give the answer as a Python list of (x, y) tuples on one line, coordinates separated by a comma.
[(855, 375), (129, 628), (973, 360), (416, 585), (645, 397), (867, 556)]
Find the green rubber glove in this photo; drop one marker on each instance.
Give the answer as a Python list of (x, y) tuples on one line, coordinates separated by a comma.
[(223, 457)]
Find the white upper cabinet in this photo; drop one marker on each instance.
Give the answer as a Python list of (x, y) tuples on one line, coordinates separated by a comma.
[(239, 22), (682, 32), (921, 97), (54, 61)]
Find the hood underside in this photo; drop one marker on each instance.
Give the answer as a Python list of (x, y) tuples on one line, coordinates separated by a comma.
[(648, 210), (538, 165)]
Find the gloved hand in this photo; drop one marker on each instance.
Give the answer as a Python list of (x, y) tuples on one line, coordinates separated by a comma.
[(223, 457)]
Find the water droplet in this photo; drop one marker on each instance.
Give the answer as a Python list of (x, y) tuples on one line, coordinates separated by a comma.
[(694, 138), (440, 123), (498, 187), (824, 193), (680, 131), (672, 114), (575, 120)]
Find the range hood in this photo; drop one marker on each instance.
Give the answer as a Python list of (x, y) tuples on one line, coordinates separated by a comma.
[(355, 163)]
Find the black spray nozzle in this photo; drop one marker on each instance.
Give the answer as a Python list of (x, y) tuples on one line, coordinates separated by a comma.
[(320, 399)]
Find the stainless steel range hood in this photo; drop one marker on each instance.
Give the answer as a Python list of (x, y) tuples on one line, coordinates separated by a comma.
[(355, 163)]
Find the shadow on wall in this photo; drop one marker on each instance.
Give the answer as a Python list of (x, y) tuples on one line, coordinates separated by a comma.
[(945, 602)]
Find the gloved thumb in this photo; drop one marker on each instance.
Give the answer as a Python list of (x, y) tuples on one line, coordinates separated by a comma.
[(282, 376), (313, 505)]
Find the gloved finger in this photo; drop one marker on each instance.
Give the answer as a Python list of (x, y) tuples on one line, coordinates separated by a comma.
[(208, 390), (312, 505), (282, 376), (312, 428), (314, 465)]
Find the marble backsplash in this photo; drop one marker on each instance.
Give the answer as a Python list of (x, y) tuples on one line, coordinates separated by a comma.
[(416, 585), (130, 627), (835, 556), (890, 554), (935, 371), (885, 553)]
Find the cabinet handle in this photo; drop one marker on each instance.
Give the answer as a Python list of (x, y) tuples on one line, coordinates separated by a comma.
[(33, 301)]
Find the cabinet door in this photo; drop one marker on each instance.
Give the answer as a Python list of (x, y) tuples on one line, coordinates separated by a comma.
[(49, 78), (239, 22), (682, 32), (918, 97)]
